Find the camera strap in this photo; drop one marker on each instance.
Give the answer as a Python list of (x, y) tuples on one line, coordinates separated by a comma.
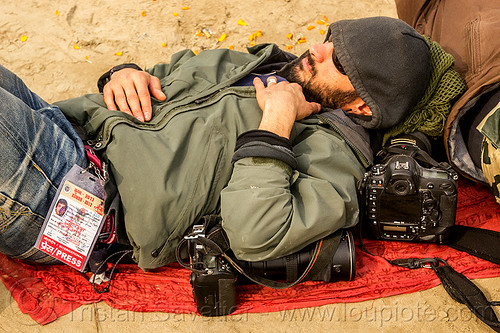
[(457, 285), (482, 243)]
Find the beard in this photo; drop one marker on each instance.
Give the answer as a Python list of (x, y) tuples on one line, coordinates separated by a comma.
[(314, 92)]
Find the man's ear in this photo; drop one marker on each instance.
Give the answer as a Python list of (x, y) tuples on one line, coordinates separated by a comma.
[(359, 107)]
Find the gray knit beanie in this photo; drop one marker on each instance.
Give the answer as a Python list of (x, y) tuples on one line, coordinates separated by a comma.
[(387, 62)]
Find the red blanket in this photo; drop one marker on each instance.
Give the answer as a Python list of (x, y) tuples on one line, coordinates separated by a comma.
[(47, 292)]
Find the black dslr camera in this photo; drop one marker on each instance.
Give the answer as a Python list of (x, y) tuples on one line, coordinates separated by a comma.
[(408, 196), (213, 278)]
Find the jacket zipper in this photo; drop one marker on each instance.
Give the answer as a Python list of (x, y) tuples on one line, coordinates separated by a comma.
[(156, 252), (360, 155)]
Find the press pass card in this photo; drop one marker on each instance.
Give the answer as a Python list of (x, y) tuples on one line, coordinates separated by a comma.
[(74, 220)]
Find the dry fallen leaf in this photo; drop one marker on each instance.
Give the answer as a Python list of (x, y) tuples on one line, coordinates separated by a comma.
[(311, 27), (185, 8), (231, 47), (289, 36), (57, 12), (163, 44), (76, 47), (24, 38), (301, 40), (241, 22), (119, 53), (256, 34), (222, 37), (143, 13), (289, 47), (321, 31), (175, 14)]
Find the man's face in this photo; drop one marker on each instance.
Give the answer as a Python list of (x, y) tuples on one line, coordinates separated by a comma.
[(321, 80), (60, 208)]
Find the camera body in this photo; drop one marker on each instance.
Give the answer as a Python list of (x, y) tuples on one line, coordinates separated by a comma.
[(405, 201), (213, 279)]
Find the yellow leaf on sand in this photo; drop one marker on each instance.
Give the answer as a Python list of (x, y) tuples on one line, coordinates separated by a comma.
[(120, 53), (289, 36), (311, 27), (231, 47), (76, 47), (222, 37), (175, 14), (185, 8), (24, 38), (57, 13), (163, 44), (143, 13), (289, 47), (241, 22), (321, 31)]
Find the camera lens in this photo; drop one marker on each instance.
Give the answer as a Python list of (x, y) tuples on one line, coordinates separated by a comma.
[(401, 187)]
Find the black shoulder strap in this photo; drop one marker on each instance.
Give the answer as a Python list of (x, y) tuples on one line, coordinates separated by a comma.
[(481, 243), (464, 291), (458, 286)]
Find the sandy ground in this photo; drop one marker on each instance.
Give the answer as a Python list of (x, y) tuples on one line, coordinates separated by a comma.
[(61, 47)]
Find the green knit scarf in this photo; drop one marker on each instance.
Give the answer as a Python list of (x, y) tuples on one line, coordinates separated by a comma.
[(445, 86)]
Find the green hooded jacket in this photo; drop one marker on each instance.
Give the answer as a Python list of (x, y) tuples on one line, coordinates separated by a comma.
[(171, 171)]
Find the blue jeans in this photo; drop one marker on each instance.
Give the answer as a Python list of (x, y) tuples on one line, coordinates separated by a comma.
[(38, 146)]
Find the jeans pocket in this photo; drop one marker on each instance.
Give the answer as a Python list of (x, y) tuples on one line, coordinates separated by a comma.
[(19, 229)]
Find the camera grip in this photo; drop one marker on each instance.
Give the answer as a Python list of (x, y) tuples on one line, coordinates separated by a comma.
[(215, 295)]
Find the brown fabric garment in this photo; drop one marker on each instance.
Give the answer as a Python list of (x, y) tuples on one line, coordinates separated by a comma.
[(469, 30)]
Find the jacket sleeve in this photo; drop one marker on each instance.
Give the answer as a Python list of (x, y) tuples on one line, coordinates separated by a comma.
[(270, 209)]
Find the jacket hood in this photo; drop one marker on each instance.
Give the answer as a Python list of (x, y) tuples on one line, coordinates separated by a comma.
[(388, 64)]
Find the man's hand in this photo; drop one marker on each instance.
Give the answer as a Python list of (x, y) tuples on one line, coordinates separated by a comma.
[(282, 104), (131, 90)]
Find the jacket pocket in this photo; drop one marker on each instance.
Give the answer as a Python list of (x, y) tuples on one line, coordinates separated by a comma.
[(473, 44)]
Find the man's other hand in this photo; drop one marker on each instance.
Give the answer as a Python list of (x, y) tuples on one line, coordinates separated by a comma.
[(282, 104), (129, 90)]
